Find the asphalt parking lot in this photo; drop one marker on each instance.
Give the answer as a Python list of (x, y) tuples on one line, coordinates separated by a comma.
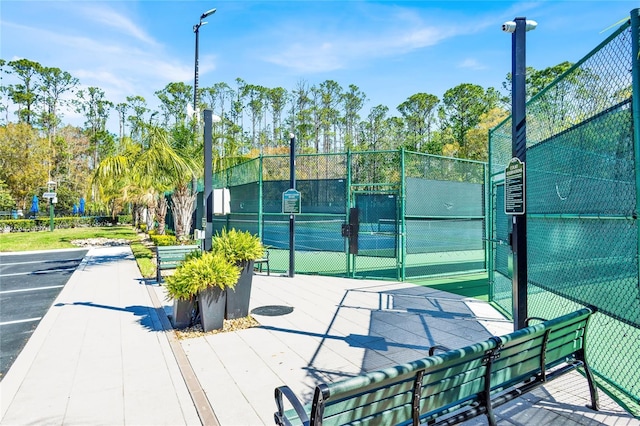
[(29, 283)]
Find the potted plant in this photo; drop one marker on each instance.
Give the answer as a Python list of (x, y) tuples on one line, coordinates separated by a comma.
[(240, 248), (183, 292), (206, 276)]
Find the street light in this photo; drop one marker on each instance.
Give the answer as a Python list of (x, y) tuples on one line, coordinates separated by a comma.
[(196, 30), (518, 29)]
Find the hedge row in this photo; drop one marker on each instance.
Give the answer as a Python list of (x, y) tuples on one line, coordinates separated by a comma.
[(41, 224)]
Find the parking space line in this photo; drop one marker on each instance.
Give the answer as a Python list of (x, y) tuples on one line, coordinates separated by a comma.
[(31, 289), (30, 262), (39, 272), (21, 321)]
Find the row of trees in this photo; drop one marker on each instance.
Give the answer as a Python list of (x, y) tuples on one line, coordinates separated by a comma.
[(153, 149)]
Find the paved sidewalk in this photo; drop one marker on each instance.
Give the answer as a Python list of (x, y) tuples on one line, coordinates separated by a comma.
[(99, 356), (104, 354)]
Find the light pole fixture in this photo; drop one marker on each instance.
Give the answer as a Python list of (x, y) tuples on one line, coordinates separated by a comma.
[(515, 194), (196, 30)]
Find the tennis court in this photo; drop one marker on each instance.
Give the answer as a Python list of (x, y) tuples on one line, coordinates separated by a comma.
[(415, 214)]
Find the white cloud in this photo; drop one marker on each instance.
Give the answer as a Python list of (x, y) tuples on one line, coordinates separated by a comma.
[(110, 18), (309, 58), (120, 68), (472, 64), (320, 55), (403, 32)]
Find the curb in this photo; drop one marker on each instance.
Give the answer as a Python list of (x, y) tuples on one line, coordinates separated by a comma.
[(200, 400)]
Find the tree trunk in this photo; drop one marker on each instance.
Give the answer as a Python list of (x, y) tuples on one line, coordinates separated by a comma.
[(151, 216), (138, 209), (161, 213), (182, 205)]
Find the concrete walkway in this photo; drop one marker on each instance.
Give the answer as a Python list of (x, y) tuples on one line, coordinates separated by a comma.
[(104, 353), (99, 356)]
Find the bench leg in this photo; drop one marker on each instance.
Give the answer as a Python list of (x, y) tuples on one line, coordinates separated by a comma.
[(593, 390), (260, 267)]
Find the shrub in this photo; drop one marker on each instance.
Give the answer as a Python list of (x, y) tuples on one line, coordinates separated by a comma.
[(42, 223), (200, 272), (164, 240), (125, 219), (237, 246)]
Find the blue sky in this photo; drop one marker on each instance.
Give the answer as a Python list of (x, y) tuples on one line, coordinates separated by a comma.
[(389, 49)]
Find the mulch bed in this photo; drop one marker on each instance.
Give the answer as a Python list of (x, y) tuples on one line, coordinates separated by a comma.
[(229, 325)]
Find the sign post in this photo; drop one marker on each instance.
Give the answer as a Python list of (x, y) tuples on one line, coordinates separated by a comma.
[(515, 191), (52, 197), (292, 204)]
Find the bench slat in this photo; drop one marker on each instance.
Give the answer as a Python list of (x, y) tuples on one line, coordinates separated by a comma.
[(450, 399), (389, 410)]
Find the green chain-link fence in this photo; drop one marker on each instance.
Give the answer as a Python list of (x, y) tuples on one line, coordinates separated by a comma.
[(418, 215), (581, 206)]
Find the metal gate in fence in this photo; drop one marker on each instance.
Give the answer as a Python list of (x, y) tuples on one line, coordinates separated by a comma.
[(378, 235)]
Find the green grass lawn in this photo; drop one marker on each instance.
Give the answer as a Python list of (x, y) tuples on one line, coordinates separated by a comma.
[(61, 238)]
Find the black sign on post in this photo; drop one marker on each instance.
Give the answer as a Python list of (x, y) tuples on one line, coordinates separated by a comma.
[(514, 188)]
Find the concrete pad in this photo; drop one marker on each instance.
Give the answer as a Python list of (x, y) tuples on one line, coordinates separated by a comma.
[(340, 328)]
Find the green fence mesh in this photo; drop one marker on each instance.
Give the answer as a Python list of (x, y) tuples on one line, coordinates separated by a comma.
[(419, 215), (581, 200)]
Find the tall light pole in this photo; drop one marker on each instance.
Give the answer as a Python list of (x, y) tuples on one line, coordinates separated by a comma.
[(515, 180), (196, 30), (207, 220)]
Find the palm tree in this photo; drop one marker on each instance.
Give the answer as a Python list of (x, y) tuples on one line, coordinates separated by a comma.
[(143, 176), (183, 199), (111, 179)]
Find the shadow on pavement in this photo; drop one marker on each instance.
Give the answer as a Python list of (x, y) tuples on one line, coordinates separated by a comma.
[(148, 316)]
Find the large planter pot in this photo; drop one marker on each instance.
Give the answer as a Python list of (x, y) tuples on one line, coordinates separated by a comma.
[(211, 303), (238, 298), (182, 312)]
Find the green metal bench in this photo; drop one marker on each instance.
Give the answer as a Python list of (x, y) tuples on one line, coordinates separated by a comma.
[(450, 387), (263, 260), (169, 257)]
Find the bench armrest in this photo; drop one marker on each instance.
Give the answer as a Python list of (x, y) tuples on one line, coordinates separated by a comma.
[(295, 403), (433, 349), (529, 319)]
